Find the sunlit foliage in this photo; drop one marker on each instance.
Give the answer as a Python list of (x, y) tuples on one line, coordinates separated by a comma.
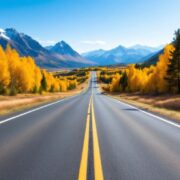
[(145, 80), (22, 75)]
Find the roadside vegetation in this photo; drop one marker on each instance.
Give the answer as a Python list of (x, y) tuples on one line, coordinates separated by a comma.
[(24, 85), (164, 77), (77, 75), (22, 75), (155, 88)]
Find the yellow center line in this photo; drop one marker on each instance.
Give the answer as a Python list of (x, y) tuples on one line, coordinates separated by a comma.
[(98, 172), (84, 158)]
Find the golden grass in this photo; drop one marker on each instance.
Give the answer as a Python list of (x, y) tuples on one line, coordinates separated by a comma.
[(10, 104), (166, 105)]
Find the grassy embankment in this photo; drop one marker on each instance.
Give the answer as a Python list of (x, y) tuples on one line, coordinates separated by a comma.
[(10, 104), (164, 105)]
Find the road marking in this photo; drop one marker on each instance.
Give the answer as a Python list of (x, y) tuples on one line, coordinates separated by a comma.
[(147, 113), (98, 172), (36, 109), (42, 107), (84, 158)]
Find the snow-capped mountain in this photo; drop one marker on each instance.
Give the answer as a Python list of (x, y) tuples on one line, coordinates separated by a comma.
[(3, 34), (121, 55), (63, 49), (62, 55), (27, 46)]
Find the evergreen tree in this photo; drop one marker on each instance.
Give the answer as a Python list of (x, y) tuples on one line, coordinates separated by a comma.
[(173, 72), (44, 83), (124, 81)]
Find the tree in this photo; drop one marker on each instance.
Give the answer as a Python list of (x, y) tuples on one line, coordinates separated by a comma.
[(21, 75), (4, 71), (13, 63), (173, 71), (115, 86), (43, 81), (124, 81), (156, 82)]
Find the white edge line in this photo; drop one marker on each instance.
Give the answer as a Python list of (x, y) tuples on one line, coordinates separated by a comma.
[(145, 112), (41, 107)]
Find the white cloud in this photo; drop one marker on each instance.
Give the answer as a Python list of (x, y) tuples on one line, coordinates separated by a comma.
[(46, 42), (97, 42)]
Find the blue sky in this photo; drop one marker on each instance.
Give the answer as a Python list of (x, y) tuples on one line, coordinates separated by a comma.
[(93, 24)]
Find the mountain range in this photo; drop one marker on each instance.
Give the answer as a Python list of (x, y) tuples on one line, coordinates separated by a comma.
[(57, 56), (121, 55), (62, 55)]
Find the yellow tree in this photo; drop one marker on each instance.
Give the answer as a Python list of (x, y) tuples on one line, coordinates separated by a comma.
[(37, 79), (157, 82), (4, 71), (162, 67), (115, 86), (13, 64)]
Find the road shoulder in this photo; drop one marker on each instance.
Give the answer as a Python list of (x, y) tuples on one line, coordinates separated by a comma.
[(159, 105), (21, 102)]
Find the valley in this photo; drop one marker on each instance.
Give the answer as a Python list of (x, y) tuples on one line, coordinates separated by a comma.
[(89, 90)]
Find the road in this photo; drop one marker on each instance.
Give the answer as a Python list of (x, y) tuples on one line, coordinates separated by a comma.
[(88, 136)]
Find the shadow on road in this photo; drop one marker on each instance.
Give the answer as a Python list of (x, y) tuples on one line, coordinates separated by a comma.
[(130, 109)]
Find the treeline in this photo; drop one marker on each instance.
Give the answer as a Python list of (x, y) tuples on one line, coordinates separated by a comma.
[(164, 77), (80, 75), (21, 75)]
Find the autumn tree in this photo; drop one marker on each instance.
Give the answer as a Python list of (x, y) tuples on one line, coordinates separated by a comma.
[(4, 71), (21, 75), (14, 65), (115, 86), (156, 82)]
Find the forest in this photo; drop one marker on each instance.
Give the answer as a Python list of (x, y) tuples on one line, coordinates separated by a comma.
[(21, 75), (164, 77)]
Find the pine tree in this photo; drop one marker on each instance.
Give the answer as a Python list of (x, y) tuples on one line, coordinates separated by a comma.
[(44, 83), (124, 81), (173, 72)]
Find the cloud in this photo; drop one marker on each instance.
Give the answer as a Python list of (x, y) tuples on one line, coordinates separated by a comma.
[(46, 42), (97, 42)]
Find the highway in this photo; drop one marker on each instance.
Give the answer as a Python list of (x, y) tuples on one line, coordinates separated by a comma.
[(88, 136)]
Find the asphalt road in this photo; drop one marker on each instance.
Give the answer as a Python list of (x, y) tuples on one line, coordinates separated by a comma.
[(89, 136)]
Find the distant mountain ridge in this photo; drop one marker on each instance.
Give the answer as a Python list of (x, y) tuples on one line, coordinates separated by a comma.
[(46, 58), (153, 59), (62, 55), (121, 55)]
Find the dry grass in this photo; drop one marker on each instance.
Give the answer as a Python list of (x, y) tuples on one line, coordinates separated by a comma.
[(165, 105), (10, 104)]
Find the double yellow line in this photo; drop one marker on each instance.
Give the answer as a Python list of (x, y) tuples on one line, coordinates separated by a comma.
[(98, 172)]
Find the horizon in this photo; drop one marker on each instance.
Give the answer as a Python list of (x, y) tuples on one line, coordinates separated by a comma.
[(88, 26), (54, 43)]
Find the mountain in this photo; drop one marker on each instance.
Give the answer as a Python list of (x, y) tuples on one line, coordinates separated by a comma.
[(98, 52), (63, 48), (65, 51), (48, 47), (120, 55), (27, 46), (148, 48), (153, 59)]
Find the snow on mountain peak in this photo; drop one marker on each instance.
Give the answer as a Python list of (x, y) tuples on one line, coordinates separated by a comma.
[(3, 34), (2, 30)]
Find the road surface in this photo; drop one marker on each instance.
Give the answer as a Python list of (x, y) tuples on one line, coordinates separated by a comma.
[(88, 136)]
